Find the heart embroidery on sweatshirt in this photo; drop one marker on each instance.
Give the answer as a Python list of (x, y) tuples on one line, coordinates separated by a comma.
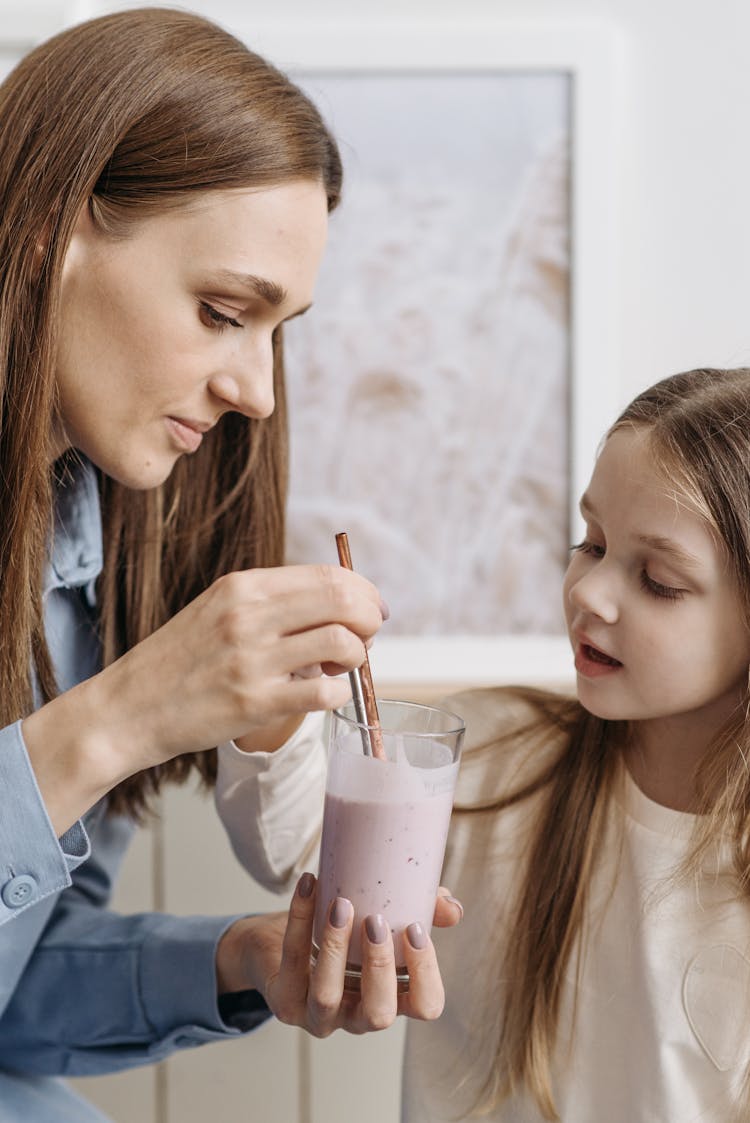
[(716, 997)]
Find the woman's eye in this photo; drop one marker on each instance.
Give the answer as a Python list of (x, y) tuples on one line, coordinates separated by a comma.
[(587, 547), (214, 319), (656, 589)]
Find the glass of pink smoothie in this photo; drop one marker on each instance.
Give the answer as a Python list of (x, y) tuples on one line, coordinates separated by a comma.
[(386, 821)]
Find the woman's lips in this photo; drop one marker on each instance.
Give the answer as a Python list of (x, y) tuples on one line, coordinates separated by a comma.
[(185, 435), (593, 663)]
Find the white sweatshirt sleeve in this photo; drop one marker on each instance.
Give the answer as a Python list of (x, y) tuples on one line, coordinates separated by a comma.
[(271, 804)]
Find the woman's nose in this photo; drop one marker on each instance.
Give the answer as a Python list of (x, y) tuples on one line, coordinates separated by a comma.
[(246, 383), (593, 592)]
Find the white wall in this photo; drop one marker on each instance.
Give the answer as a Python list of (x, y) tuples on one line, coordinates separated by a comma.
[(679, 281), (683, 272)]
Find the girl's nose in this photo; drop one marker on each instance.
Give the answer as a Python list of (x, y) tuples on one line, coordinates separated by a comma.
[(594, 593)]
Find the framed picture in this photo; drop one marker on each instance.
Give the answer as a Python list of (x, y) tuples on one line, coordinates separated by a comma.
[(449, 390)]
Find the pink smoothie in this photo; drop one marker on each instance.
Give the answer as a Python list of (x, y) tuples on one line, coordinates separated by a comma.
[(384, 832)]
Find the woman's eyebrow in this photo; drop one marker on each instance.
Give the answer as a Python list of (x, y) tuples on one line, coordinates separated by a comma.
[(269, 291)]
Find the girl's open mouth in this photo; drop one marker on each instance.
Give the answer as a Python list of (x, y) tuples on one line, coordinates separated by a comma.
[(597, 656)]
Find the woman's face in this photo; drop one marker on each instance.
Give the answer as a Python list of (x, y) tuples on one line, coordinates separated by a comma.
[(165, 330), (653, 611)]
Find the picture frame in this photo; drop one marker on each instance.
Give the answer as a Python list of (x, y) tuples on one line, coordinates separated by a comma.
[(590, 56)]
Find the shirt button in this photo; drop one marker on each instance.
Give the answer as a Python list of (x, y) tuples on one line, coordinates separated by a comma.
[(18, 891)]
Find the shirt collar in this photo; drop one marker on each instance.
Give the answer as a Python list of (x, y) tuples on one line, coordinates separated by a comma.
[(75, 551)]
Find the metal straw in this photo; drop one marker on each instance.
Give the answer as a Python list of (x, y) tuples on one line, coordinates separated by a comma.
[(363, 691)]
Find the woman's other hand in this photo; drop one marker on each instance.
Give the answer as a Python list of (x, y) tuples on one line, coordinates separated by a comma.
[(270, 953)]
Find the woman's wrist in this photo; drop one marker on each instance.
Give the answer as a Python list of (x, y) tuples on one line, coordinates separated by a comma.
[(234, 956), (74, 760)]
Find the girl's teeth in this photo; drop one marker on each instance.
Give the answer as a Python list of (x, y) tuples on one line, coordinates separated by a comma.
[(599, 656)]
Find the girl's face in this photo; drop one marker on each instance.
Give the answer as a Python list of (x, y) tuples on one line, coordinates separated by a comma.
[(652, 609), (165, 330)]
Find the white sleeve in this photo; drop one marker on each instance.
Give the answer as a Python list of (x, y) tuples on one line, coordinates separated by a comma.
[(271, 804)]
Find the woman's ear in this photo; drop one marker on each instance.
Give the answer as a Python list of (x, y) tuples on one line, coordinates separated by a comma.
[(84, 234), (41, 247)]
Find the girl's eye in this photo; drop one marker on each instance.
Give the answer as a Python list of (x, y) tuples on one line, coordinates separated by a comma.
[(214, 319), (587, 547), (656, 589)]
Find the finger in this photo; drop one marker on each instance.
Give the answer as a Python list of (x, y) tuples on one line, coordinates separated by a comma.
[(448, 909), (313, 670), (326, 987), (425, 997), (291, 984), (329, 643), (336, 668), (315, 595), (302, 696), (379, 1001), (280, 580)]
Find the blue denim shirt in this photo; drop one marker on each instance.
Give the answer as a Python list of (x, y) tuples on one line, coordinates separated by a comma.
[(84, 990)]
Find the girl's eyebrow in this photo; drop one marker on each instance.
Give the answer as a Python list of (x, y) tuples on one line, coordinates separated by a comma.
[(669, 546), (653, 541)]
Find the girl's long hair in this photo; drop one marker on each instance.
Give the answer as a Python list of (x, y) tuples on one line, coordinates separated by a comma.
[(130, 114), (698, 424)]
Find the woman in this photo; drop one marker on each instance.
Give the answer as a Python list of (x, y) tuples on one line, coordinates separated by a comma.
[(164, 196)]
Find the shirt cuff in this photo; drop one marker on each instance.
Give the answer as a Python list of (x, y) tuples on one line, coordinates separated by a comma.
[(182, 950), (33, 862), (271, 804), (238, 765), (243, 1010)]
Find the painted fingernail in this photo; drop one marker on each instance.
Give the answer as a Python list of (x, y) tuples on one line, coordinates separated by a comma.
[(457, 903), (416, 936), (376, 929), (385, 611), (341, 910), (306, 884)]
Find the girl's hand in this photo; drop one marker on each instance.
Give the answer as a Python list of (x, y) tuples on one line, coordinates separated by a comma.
[(271, 954), (236, 659)]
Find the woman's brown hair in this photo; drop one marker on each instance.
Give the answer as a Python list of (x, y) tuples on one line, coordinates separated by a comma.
[(698, 428), (130, 114)]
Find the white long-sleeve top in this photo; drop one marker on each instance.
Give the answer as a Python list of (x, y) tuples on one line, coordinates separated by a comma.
[(662, 1004), (271, 804)]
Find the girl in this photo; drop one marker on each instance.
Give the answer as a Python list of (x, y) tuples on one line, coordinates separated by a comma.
[(603, 842), (601, 845), (164, 195)]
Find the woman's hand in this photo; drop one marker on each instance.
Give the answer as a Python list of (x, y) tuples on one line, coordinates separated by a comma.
[(256, 649), (271, 954)]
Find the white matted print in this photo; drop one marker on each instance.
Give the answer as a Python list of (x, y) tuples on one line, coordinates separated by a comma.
[(429, 388), (449, 390)]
